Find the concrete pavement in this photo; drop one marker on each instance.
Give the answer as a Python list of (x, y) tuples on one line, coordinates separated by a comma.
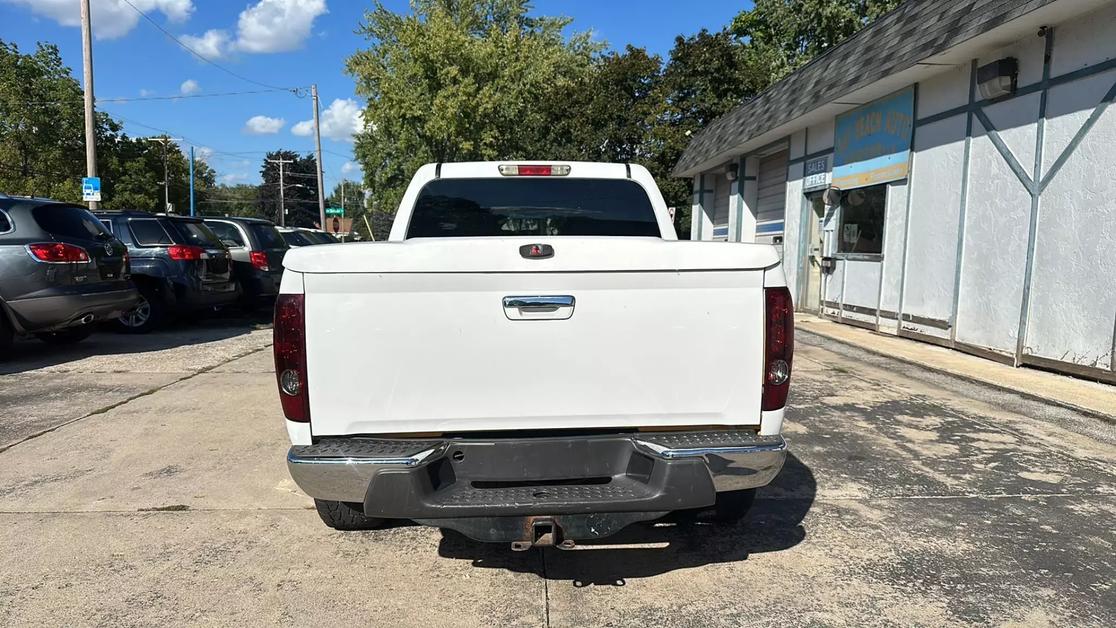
[(909, 499), (1080, 394)]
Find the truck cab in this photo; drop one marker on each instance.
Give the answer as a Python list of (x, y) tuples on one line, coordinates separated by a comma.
[(519, 361)]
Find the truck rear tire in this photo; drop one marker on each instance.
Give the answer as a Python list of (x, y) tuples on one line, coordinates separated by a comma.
[(732, 506), (345, 516)]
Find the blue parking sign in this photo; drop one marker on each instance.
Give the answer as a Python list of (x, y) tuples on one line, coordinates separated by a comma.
[(91, 189)]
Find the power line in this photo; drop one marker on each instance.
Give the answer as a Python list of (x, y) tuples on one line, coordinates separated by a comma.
[(127, 99), (298, 91)]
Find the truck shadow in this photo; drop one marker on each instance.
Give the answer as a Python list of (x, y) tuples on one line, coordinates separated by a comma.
[(653, 548)]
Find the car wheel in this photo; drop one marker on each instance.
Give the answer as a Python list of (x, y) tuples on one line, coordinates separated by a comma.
[(6, 336), (345, 516), (66, 336), (146, 315), (732, 506)]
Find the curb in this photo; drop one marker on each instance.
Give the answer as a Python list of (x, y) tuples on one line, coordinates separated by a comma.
[(1090, 412)]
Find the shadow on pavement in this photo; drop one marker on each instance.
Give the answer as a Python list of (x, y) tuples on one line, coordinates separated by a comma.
[(30, 354), (653, 548)]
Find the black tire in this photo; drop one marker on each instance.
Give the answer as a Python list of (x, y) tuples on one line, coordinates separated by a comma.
[(733, 506), (147, 315), (6, 336), (66, 336), (345, 516)]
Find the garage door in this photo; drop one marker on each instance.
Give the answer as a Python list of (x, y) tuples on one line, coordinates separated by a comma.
[(772, 196)]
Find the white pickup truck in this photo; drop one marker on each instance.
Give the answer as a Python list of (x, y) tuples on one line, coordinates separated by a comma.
[(532, 358)]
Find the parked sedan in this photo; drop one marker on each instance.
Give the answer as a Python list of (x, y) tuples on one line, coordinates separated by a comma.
[(60, 271), (178, 264), (257, 251)]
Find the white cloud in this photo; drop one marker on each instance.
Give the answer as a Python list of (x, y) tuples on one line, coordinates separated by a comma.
[(340, 120), (203, 153), (144, 93), (212, 45), (111, 18), (267, 26), (263, 125), (349, 167), (189, 86), (233, 178), (277, 25)]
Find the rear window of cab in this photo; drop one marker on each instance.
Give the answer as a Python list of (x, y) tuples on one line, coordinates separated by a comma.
[(532, 206)]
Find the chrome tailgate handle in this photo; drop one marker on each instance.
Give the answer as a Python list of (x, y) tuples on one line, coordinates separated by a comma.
[(553, 307)]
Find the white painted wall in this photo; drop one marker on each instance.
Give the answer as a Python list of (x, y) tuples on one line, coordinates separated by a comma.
[(996, 224), (820, 137), (1015, 120), (792, 226), (862, 283), (1085, 41), (935, 207), (944, 91), (798, 144), (1072, 315), (895, 226)]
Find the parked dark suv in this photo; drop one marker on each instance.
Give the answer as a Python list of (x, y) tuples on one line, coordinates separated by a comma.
[(257, 251), (178, 265), (60, 271)]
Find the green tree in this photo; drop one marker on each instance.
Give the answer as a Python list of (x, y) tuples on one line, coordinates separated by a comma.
[(233, 200), (42, 125), (459, 80), (783, 35), (300, 188)]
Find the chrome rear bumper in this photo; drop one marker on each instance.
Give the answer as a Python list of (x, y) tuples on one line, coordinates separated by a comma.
[(647, 470)]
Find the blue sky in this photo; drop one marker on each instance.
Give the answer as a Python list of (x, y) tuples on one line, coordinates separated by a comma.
[(280, 43)]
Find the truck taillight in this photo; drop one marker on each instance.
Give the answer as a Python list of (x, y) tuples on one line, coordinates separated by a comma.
[(778, 347), (258, 260), (289, 333)]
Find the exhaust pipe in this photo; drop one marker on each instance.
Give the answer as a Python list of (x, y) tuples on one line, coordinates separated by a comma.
[(85, 320)]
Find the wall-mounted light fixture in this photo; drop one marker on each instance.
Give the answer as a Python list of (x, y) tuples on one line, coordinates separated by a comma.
[(998, 78), (732, 171)]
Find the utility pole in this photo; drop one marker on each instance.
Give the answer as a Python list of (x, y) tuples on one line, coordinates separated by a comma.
[(342, 205), (282, 188), (165, 141), (318, 140), (192, 210), (87, 77)]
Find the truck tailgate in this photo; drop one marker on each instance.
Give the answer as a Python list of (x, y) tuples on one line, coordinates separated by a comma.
[(658, 334)]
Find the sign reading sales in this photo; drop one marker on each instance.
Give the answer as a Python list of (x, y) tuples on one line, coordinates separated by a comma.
[(872, 144)]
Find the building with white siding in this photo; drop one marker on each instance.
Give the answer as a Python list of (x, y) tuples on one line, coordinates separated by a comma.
[(969, 151)]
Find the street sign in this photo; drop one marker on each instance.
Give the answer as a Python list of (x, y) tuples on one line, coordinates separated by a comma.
[(335, 211), (91, 189)]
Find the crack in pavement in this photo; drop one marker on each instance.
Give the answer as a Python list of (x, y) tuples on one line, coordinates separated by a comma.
[(113, 406)]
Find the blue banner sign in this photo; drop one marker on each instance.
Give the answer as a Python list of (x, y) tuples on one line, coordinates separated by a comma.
[(872, 144)]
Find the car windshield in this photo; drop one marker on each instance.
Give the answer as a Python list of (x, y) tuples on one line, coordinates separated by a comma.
[(295, 238), (69, 221), (532, 206), (317, 237), (269, 236), (195, 233)]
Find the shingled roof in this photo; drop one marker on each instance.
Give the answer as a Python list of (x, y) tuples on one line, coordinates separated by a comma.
[(917, 29)]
